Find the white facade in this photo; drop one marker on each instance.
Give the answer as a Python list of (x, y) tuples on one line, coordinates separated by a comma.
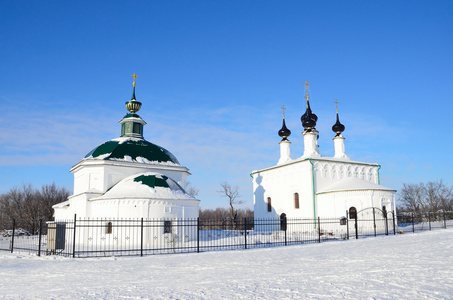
[(326, 187), (313, 185)]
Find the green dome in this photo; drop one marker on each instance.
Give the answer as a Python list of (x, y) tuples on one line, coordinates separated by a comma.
[(132, 150), (147, 185)]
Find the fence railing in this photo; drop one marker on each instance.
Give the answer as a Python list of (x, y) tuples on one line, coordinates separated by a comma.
[(120, 237)]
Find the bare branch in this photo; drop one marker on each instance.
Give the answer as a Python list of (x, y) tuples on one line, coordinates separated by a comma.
[(232, 194)]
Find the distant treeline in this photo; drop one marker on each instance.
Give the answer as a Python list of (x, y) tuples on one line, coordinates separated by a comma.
[(432, 196), (224, 213), (28, 205)]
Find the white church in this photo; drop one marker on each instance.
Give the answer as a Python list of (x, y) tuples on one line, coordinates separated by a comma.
[(312, 185), (129, 177)]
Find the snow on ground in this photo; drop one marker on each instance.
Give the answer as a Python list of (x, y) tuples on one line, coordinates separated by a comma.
[(408, 266)]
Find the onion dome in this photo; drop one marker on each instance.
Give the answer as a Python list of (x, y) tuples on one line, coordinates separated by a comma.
[(147, 185), (308, 119), (338, 128), (284, 132)]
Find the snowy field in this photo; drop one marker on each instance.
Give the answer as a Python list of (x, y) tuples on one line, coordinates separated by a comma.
[(408, 266)]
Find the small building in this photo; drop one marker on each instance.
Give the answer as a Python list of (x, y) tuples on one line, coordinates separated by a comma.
[(313, 185), (129, 178)]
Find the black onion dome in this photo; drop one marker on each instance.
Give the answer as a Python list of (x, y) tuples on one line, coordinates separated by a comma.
[(309, 119), (313, 116), (284, 132), (338, 128)]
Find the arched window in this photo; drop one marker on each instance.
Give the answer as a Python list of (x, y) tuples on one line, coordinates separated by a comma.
[(283, 221), (296, 200), (269, 204), (352, 213), (109, 228)]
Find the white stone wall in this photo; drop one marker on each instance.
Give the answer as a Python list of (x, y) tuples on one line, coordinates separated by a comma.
[(280, 184), (328, 172), (101, 175), (335, 204), (144, 208)]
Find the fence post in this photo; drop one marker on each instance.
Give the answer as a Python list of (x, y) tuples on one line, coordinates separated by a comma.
[(40, 234), (286, 225), (198, 235), (245, 232), (141, 238), (347, 224), (413, 226), (374, 222), (429, 220), (74, 237), (319, 229), (386, 224), (356, 228), (12, 237), (347, 228), (393, 217), (445, 220)]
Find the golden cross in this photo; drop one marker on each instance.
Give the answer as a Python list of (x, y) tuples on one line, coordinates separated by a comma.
[(283, 109), (135, 77), (307, 87), (336, 104)]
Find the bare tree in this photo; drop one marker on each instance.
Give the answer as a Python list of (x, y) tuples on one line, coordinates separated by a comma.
[(48, 197), (430, 197), (438, 196), (232, 194), (411, 197), (191, 190)]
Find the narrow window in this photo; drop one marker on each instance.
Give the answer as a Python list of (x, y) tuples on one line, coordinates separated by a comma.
[(352, 213), (136, 128), (109, 228), (296, 200), (167, 226), (269, 204)]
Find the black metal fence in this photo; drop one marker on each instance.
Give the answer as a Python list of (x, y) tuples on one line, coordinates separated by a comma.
[(114, 237)]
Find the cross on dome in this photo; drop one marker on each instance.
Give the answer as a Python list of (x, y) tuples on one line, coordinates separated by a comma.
[(135, 77), (284, 132), (308, 119), (338, 128), (133, 105), (283, 109), (307, 88)]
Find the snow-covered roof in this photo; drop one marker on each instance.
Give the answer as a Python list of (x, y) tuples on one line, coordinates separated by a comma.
[(147, 185), (61, 204), (353, 184), (132, 150)]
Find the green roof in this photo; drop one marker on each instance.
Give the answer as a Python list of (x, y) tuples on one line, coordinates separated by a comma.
[(152, 181), (131, 115), (119, 149)]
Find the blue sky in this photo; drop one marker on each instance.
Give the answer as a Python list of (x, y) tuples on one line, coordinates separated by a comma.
[(212, 78)]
